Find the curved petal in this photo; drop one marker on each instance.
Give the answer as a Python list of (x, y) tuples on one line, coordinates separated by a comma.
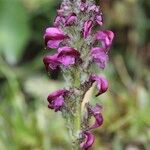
[(101, 82), (88, 140), (96, 112)]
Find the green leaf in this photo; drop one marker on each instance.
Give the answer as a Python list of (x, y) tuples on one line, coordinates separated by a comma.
[(14, 29)]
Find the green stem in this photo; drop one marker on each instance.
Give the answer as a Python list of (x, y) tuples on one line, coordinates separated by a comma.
[(76, 124)]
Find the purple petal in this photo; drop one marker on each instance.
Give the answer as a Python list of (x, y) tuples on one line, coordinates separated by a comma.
[(106, 38), (88, 140), (51, 62), (56, 99), (87, 28), (101, 82), (96, 112), (99, 56), (67, 55), (53, 36)]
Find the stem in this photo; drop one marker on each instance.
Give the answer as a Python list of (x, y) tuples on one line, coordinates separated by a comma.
[(75, 124)]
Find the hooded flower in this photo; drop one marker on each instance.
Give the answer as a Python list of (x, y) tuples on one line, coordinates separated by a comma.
[(56, 100), (96, 112), (53, 37), (101, 83), (67, 55), (72, 18), (65, 20), (105, 37), (83, 6), (87, 28), (99, 56), (88, 140), (51, 62)]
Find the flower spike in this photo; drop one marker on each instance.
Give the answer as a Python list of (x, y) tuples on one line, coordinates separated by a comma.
[(78, 46)]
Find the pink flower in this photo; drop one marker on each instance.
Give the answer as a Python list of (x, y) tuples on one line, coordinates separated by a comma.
[(99, 56), (87, 28), (51, 62), (96, 112), (56, 99), (88, 140), (105, 37), (53, 37), (101, 83), (67, 55)]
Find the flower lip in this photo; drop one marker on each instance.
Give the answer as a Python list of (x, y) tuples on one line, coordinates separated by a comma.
[(88, 140), (66, 50)]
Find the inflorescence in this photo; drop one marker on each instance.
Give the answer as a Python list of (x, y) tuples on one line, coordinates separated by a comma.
[(80, 44)]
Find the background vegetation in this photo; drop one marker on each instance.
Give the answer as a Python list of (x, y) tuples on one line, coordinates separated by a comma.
[(25, 121)]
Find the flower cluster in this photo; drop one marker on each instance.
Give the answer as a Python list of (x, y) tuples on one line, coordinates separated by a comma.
[(79, 47)]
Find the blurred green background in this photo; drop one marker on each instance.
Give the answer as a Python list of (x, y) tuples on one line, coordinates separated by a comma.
[(25, 121)]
